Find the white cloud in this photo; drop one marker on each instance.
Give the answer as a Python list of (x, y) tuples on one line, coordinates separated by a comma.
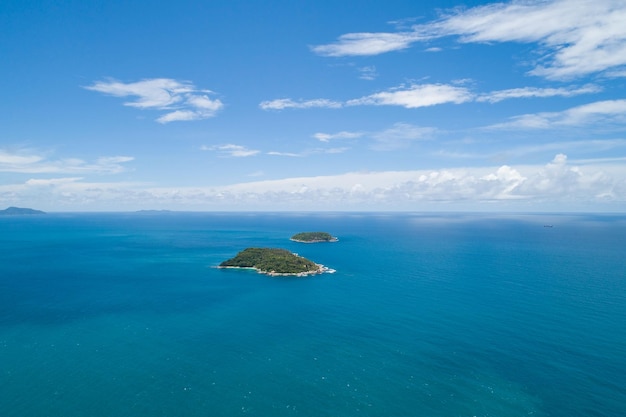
[(52, 181), (237, 151), (417, 95), (288, 154), (9, 159), (27, 162), (579, 36), (530, 92), (181, 99), (400, 135), (425, 95), (181, 116), (414, 96), (327, 137), (367, 44), (558, 184), (555, 182), (589, 146), (575, 37), (601, 112), (368, 73), (309, 152), (287, 103)]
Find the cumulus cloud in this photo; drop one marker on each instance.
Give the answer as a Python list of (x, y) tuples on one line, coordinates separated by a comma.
[(31, 163), (556, 181), (180, 100), (574, 37), (605, 112), (559, 183)]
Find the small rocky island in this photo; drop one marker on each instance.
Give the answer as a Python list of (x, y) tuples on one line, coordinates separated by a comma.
[(274, 262), (313, 237), (19, 211)]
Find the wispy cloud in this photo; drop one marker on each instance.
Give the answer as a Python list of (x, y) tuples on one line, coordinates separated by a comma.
[(532, 92), (327, 137), (231, 150), (413, 96), (309, 152), (579, 37), (574, 37), (287, 103), (288, 154), (368, 73), (31, 163), (8, 159), (52, 181), (585, 147), (417, 95), (180, 100), (425, 95), (400, 135), (606, 112), (367, 44)]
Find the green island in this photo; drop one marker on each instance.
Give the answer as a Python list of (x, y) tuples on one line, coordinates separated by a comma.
[(274, 262), (313, 237)]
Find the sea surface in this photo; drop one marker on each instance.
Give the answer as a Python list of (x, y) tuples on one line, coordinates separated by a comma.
[(426, 315)]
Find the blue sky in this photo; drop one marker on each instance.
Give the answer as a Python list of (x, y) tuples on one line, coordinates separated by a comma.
[(313, 105)]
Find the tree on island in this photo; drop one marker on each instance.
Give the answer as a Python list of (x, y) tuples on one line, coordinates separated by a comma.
[(310, 237), (272, 261)]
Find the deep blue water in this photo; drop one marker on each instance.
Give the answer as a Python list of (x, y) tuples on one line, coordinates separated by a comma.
[(427, 315)]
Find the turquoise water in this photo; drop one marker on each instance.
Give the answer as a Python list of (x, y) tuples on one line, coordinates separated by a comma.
[(427, 315)]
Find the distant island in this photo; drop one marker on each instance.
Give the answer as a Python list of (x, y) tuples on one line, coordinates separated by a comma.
[(313, 237), (274, 262), (18, 211)]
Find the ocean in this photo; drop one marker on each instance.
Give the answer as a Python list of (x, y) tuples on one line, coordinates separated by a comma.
[(126, 314)]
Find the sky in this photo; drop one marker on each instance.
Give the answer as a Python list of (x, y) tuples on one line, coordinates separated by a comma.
[(315, 105)]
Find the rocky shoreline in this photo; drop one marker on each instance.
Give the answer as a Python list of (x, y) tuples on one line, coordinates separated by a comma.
[(321, 269), (334, 239)]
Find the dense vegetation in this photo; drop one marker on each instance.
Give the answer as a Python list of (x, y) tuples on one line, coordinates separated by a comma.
[(279, 261), (313, 237)]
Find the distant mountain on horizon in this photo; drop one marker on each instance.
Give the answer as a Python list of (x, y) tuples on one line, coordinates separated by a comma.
[(17, 211)]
